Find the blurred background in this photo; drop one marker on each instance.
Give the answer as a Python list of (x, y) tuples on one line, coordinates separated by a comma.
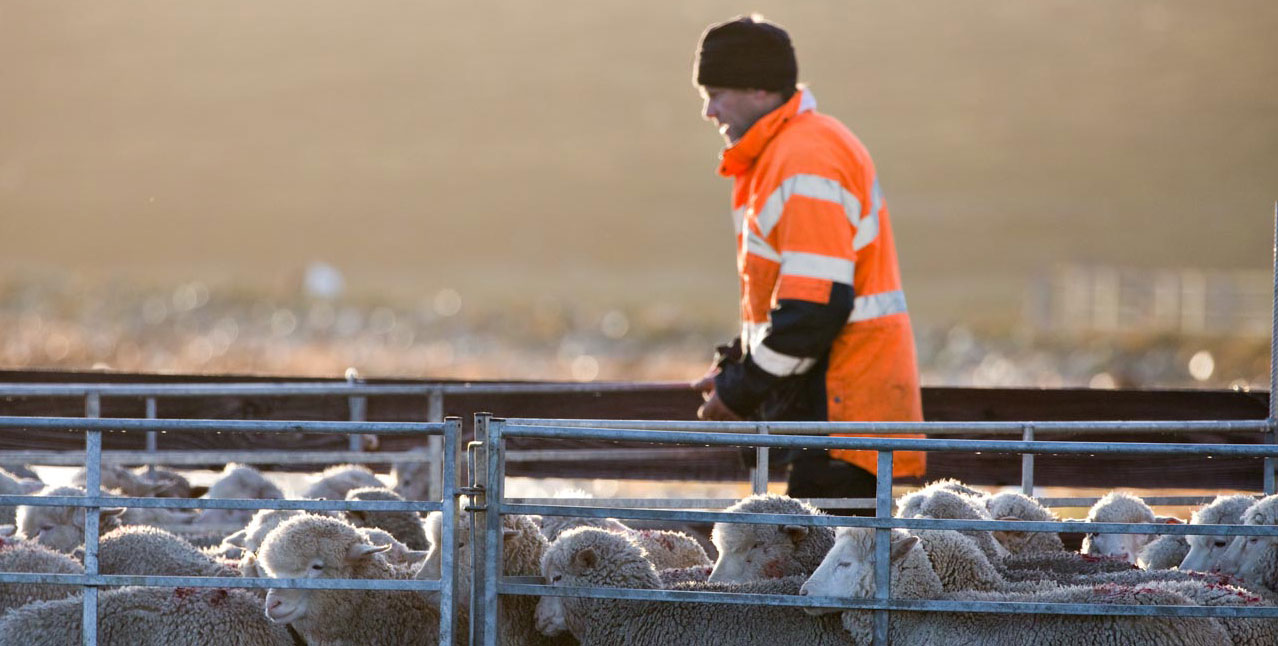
[(1083, 191)]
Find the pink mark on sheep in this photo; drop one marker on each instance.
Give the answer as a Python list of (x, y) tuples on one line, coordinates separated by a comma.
[(774, 569), (219, 595)]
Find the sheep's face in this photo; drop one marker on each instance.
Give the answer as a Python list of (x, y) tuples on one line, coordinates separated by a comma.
[(58, 528), (755, 552), (1250, 556), (1123, 546), (848, 568), (550, 617), (309, 547), (412, 479), (1205, 552)]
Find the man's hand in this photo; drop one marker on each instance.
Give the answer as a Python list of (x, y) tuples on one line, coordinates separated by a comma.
[(705, 385), (714, 410)]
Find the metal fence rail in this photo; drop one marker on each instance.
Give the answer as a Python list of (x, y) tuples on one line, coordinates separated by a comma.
[(92, 426), (488, 584)]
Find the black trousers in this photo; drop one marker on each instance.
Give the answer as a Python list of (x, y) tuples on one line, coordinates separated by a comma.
[(814, 474)]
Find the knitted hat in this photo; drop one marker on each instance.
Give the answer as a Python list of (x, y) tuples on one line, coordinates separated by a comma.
[(746, 52)]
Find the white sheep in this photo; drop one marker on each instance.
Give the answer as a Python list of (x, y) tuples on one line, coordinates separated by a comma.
[(848, 572), (237, 481), (1121, 507), (335, 481), (522, 548), (1255, 558), (587, 556), (145, 550), (412, 479), (948, 504), (12, 485), (134, 616), (1011, 506), (140, 482), (250, 538), (553, 526), (320, 547), (24, 556), (405, 526), (61, 528), (750, 552), (1205, 551), (907, 506)]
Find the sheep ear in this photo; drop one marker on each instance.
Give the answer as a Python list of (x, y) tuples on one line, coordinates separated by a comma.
[(360, 551), (795, 532), (1008, 533), (585, 559), (198, 492), (237, 539), (902, 547), (357, 515), (508, 533), (1168, 520)]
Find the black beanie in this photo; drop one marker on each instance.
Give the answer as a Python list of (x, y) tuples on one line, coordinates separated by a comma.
[(746, 52)]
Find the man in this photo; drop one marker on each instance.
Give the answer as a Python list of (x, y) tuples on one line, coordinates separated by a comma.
[(825, 334)]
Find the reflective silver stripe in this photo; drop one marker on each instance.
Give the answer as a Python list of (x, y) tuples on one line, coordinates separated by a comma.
[(738, 217), (779, 364), (813, 186), (806, 100), (751, 332), (873, 306), (760, 247), (868, 228), (811, 265)]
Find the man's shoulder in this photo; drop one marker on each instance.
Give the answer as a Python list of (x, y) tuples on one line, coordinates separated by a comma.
[(818, 140)]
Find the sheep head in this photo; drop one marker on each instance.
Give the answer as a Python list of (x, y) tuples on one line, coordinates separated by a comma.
[(314, 547)]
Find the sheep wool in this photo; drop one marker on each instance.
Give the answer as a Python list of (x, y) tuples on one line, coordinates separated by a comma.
[(334, 482), (589, 556), (1255, 558), (405, 526), (143, 550), (148, 617), (1206, 551), (1015, 506), (23, 556)]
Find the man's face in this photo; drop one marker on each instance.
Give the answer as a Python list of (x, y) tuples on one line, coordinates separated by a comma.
[(734, 110)]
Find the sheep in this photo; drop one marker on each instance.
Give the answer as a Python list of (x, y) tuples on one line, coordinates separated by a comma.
[(1255, 558), (321, 547), (848, 571), (907, 506), (553, 526), (61, 528), (944, 503), (749, 552), (1205, 551), (141, 482), (148, 550), (24, 556), (412, 479), (12, 485), (667, 549), (335, 481), (1121, 507), (239, 482), (22, 472), (588, 556), (522, 548), (399, 555), (1015, 506), (134, 616), (405, 526)]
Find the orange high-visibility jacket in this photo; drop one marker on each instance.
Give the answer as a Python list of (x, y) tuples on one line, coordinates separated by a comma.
[(822, 309)]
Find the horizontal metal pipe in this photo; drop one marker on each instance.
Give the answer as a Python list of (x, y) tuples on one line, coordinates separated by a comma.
[(319, 389), (221, 582), (192, 458), (227, 425), (591, 455), (795, 601), (822, 503), (220, 503), (908, 523), (877, 428), (893, 444)]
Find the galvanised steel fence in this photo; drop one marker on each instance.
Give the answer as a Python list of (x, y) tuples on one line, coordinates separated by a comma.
[(93, 500), (489, 585)]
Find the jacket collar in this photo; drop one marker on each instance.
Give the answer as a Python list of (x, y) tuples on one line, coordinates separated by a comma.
[(740, 157)]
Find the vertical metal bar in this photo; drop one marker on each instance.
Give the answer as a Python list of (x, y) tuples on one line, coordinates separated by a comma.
[(152, 412), (1027, 463), (1273, 367), (92, 487), (478, 544), (759, 475), (435, 413), (493, 528), (359, 413), (883, 548), (448, 549)]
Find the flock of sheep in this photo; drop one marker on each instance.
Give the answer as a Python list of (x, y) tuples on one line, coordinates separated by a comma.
[(790, 559)]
